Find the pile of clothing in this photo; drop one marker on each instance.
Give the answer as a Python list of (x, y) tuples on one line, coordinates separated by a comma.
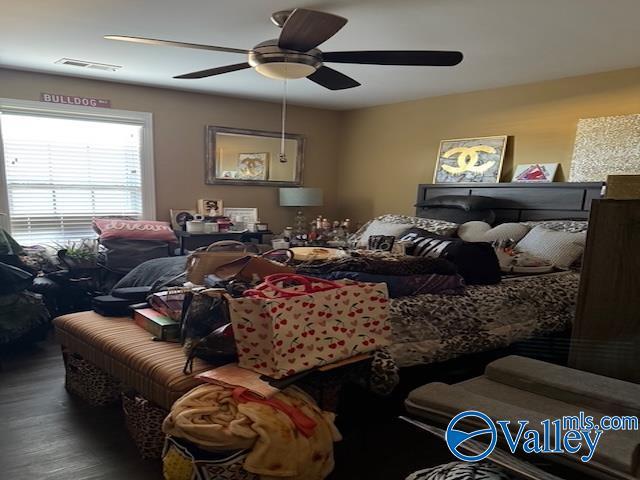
[(404, 275), (286, 436), (23, 315)]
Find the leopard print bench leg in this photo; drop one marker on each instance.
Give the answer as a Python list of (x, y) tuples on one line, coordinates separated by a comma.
[(144, 423), (88, 382)]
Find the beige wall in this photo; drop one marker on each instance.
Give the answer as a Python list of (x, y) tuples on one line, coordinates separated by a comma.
[(388, 150), (368, 161), (179, 120)]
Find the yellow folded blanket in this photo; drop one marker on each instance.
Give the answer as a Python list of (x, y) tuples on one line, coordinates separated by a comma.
[(209, 417)]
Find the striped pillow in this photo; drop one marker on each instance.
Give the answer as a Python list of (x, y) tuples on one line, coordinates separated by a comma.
[(561, 249)]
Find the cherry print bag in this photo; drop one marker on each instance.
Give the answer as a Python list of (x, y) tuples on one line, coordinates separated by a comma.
[(291, 323)]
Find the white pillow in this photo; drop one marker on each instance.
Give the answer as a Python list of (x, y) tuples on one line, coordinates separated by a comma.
[(482, 232), (378, 227), (560, 248)]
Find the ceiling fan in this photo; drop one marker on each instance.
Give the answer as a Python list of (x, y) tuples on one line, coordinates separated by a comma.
[(294, 53)]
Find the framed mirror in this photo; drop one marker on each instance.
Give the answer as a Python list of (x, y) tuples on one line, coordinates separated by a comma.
[(252, 157)]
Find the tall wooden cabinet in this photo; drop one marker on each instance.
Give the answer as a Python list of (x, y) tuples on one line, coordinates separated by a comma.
[(606, 334)]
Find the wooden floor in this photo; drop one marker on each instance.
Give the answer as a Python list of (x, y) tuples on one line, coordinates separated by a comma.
[(48, 434), (45, 433)]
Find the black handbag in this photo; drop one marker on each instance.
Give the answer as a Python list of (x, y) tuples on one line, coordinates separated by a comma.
[(205, 311)]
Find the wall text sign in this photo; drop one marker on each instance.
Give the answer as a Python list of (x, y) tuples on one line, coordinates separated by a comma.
[(75, 100)]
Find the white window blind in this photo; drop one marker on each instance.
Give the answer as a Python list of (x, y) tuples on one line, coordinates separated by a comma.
[(63, 172)]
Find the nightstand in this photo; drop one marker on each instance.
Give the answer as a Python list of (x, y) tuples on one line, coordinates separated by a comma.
[(191, 241)]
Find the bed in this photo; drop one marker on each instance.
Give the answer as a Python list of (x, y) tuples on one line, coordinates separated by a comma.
[(435, 328)]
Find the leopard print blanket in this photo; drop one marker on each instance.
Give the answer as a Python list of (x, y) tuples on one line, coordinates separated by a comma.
[(433, 328)]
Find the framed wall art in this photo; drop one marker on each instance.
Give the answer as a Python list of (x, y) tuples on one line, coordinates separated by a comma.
[(242, 214), (606, 146), (470, 160), (535, 172), (253, 166), (210, 207)]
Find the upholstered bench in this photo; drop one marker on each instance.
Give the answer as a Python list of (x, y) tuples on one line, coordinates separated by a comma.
[(109, 356), (517, 388), (108, 359)]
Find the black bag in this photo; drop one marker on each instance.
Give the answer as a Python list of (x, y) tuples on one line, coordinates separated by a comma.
[(204, 312), (137, 294), (122, 254), (13, 279), (477, 262), (110, 306), (217, 348)]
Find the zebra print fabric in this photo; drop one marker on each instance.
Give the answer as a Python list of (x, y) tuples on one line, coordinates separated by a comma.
[(461, 471)]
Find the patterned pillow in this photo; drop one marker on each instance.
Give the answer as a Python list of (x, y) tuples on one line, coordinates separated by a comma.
[(439, 227), (560, 248), (377, 227), (114, 228), (573, 226)]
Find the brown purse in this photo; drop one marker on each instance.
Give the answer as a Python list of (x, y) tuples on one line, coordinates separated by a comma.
[(203, 262), (251, 268)]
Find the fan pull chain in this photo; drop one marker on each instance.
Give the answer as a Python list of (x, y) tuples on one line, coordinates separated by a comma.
[(283, 156)]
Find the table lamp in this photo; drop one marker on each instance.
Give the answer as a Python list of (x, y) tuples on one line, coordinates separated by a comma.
[(300, 197)]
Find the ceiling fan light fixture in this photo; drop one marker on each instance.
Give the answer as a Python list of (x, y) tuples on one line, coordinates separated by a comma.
[(285, 70)]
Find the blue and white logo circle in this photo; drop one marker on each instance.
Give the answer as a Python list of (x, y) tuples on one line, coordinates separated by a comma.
[(456, 438)]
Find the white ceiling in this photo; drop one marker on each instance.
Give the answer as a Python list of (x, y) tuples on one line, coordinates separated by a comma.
[(505, 42)]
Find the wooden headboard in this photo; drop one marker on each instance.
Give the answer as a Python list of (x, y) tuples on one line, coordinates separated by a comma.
[(516, 202)]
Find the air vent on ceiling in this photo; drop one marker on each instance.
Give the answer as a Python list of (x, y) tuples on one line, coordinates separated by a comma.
[(92, 65)]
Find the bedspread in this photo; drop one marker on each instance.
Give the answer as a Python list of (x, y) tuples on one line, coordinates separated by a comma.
[(433, 328)]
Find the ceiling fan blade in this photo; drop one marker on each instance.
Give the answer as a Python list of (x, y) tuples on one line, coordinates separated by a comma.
[(215, 71), (171, 43), (396, 57), (306, 29), (332, 79)]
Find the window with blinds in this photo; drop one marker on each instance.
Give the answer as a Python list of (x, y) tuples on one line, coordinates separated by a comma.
[(63, 172)]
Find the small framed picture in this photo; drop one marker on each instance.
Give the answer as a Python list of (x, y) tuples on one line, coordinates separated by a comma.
[(241, 214), (210, 207), (253, 166), (535, 172), (470, 160), (180, 217)]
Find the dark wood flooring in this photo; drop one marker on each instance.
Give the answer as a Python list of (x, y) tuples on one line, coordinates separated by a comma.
[(48, 434), (45, 433)]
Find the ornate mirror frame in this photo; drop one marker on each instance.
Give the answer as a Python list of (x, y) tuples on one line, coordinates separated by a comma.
[(211, 161)]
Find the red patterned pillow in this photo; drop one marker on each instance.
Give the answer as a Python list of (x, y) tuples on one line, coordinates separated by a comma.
[(110, 228)]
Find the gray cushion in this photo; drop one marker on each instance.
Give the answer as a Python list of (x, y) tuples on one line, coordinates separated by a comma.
[(616, 397), (618, 450)]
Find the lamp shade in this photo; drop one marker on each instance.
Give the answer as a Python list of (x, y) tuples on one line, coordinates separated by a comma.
[(300, 197)]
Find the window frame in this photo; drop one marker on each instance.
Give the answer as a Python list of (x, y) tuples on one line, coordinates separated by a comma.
[(144, 119)]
